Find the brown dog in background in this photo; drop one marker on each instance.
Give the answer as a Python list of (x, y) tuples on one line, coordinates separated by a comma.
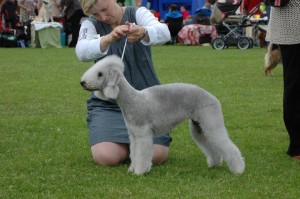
[(272, 58)]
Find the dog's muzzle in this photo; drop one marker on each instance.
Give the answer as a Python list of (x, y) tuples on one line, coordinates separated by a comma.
[(83, 84)]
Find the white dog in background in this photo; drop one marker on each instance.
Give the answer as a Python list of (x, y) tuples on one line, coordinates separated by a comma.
[(158, 109), (45, 13)]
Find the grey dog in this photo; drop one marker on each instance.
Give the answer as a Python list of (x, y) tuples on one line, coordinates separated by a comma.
[(158, 109)]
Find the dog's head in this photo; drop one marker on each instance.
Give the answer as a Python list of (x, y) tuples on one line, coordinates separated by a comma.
[(103, 77), (48, 3)]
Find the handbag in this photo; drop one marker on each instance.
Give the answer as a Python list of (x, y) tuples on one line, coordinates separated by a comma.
[(276, 3)]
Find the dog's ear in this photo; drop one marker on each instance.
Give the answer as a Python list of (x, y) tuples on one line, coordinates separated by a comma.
[(100, 95), (112, 89)]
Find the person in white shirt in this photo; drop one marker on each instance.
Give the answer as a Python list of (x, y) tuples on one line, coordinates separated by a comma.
[(109, 29)]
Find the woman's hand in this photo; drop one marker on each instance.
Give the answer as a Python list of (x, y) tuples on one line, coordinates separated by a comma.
[(135, 32), (117, 33)]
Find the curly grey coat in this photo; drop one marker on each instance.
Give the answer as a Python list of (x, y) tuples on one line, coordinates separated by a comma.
[(158, 109)]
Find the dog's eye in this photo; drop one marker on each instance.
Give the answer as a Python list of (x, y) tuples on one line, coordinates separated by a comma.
[(100, 74)]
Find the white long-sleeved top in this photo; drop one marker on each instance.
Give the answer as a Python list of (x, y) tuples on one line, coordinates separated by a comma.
[(88, 45)]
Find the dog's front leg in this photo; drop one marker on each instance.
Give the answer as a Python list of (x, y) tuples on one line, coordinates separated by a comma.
[(132, 147), (143, 154)]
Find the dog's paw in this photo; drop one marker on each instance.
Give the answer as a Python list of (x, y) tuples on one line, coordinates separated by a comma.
[(237, 166), (136, 172), (142, 170), (131, 168), (214, 162)]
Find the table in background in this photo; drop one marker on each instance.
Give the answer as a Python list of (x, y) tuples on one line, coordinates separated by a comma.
[(46, 35)]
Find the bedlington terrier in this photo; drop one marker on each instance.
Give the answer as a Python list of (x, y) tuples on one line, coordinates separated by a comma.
[(158, 109)]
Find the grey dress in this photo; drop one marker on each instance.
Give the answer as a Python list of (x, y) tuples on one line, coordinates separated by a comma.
[(105, 120)]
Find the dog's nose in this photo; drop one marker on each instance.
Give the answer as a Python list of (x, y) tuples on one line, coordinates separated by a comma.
[(82, 83)]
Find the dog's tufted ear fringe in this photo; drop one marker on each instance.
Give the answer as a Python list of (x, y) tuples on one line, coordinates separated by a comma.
[(111, 92), (100, 95), (112, 89)]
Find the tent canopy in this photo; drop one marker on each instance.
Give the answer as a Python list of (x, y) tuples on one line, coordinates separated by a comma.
[(162, 6)]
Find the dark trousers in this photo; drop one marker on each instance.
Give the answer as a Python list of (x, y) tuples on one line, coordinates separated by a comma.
[(291, 96), (10, 23), (75, 26)]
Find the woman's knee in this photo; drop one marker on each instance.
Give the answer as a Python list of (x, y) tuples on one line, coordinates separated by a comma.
[(109, 153), (160, 154)]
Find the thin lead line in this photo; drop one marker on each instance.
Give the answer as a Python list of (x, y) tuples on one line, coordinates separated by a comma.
[(124, 49)]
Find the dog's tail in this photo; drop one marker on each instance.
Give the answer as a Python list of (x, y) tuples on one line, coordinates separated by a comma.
[(272, 58), (274, 46)]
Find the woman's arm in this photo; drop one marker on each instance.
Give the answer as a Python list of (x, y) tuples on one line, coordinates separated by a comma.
[(22, 6), (158, 33), (91, 46), (88, 45)]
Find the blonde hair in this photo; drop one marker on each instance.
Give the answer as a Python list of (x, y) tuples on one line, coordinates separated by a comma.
[(87, 5)]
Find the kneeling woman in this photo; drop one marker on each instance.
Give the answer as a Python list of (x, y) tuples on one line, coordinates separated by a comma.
[(105, 32)]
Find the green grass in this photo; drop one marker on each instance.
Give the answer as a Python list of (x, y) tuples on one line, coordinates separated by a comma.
[(44, 149)]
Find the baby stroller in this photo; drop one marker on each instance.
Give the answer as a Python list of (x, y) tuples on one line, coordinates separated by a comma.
[(230, 27)]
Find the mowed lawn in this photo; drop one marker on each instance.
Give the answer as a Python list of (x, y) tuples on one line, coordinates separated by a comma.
[(44, 148)]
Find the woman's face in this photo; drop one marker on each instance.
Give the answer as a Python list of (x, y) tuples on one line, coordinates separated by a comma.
[(105, 11)]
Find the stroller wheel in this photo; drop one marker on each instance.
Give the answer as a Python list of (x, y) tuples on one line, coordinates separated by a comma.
[(243, 43), (218, 44), (251, 42)]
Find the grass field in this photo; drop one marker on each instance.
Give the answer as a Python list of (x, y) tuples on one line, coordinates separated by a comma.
[(44, 150)]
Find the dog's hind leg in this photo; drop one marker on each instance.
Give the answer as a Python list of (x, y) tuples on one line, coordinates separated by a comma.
[(213, 157), (231, 154), (212, 124)]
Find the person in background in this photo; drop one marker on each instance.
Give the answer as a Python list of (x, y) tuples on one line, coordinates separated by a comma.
[(156, 14), (27, 10), (173, 13), (248, 5), (174, 21), (207, 6), (73, 14), (106, 31), (268, 11), (284, 29), (9, 11), (184, 12), (227, 6), (202, 14)]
